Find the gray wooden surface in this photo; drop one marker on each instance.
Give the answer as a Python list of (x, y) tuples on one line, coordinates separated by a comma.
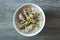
[(51, 30)]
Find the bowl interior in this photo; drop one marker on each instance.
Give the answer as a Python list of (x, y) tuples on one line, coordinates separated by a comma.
[(41, 22)]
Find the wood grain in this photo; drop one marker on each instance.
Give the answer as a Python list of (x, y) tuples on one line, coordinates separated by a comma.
[(52, 22)]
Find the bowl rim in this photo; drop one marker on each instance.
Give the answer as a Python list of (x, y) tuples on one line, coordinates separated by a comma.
[(38, 30)]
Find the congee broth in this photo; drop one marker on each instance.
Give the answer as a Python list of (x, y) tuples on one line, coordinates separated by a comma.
[(27, 19)]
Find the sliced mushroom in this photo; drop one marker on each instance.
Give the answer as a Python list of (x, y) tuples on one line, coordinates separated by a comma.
[(21, 18), (20, 26)]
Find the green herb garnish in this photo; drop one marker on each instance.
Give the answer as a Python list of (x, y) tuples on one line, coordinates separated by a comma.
[(37, 25)]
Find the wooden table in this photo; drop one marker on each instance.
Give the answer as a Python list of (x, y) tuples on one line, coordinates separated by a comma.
[(51, 30)]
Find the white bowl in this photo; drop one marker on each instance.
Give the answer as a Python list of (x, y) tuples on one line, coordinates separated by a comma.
[(41, 24)]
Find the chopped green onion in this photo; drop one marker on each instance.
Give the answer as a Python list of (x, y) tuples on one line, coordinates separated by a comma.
[(30, 10), (37, 25), (38, 14)]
